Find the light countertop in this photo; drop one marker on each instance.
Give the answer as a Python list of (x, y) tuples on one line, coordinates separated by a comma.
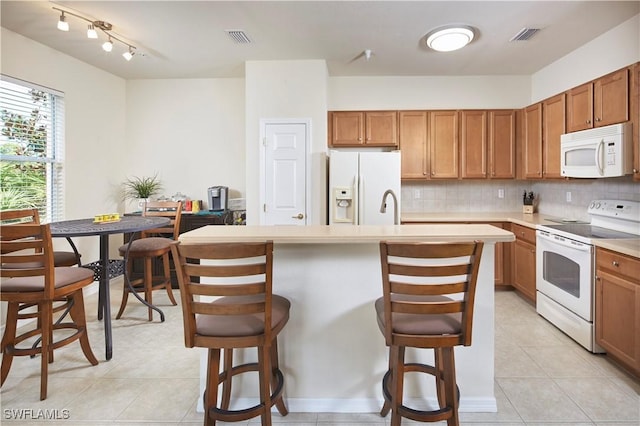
[(346, 234), (520, 218), (630, 247)]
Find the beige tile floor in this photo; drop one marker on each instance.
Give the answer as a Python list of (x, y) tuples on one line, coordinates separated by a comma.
[(542, 378)]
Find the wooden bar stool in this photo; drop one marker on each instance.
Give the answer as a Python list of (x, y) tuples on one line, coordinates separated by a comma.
[(244, 314), (154, 243), (428, 296), (37, 282)]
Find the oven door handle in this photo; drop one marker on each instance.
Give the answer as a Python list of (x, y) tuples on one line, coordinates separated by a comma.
[(562, 241)]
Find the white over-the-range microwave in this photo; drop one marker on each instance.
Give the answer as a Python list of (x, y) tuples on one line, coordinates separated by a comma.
[(597, 153)]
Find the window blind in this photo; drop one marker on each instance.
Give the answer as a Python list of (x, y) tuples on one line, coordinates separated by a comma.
[(31, 148)]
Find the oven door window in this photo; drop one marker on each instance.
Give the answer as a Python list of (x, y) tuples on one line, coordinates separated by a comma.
[(562, 272)]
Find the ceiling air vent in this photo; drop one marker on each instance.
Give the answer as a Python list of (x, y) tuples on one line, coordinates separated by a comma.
[(525, 34), (238, 36)]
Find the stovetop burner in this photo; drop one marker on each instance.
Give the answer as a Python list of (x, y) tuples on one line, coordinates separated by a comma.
[(610, 219)]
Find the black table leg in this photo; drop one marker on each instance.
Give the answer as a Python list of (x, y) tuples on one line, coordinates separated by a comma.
[(104, 295)]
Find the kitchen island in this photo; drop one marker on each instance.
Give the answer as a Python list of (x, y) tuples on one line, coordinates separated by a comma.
[(332, 353)]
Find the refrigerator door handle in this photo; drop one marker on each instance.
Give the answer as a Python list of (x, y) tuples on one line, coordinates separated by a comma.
[(356, 199)]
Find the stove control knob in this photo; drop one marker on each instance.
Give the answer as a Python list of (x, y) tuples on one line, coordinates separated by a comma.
[(592, 205), (597, 205)]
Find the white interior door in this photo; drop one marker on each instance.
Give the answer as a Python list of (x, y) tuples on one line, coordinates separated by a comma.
[(284, 172)]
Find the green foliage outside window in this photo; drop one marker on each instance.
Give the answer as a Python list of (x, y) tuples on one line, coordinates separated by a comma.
[(23, 183)]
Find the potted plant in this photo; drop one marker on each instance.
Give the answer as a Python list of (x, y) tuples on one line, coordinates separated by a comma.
[(141, 188)]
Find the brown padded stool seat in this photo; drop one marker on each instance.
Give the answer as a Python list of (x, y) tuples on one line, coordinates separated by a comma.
[(144, 245), (414, 324), (242, 325), (64, 277)]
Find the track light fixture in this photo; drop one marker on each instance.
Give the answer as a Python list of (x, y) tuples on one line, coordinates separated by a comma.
[(107, 46), (63, 25), (128, 55), (92, 32)]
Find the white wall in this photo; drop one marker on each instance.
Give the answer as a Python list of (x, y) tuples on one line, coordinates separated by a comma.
[(435, 92), (611, 51), (188, 131), (95, 117), (286, 89)]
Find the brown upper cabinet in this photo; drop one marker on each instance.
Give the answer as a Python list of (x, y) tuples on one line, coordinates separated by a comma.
[(544, 123), (487, 144), (532, 147), (429, 144), (443, 144), (413, 144), (599, 103), (363, 128), (553, 126), (473, 144)]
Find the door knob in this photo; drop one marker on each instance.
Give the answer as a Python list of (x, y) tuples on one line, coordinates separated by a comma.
[(299, 216)]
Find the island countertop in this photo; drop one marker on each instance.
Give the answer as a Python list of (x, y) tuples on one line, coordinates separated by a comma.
[(349, 234)]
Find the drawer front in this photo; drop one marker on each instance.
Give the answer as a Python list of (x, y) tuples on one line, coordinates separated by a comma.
[(619, 264), (524, 233)]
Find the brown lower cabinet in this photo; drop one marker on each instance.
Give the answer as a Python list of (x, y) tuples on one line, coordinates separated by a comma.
[(188, 222), (617, 299), (524, 261)]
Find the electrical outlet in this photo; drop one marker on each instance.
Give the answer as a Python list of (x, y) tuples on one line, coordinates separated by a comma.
[(416, 194), (500, 193), (568, 196)]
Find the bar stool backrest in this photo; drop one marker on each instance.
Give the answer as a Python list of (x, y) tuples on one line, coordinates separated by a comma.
[(430, 280), (239, 272)]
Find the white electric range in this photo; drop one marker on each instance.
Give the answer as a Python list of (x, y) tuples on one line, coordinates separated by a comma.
[(565, 265)]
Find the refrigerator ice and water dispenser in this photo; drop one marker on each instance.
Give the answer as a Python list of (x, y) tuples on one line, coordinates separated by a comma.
[(343, 205)]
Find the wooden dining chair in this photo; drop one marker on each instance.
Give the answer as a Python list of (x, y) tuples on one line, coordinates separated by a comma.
[(153, 243), (428, 299), (227, 303), (30, 277)]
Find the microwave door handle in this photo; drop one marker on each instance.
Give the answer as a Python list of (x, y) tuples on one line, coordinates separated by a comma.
[(599, 159)]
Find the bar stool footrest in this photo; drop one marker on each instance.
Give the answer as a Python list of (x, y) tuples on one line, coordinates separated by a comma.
[(251, 412), (411, 413)]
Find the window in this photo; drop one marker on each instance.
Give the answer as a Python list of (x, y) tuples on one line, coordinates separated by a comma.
[(31, 148)]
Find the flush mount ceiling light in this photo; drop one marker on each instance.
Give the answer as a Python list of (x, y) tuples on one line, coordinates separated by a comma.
[(449, 37), (92, 32)]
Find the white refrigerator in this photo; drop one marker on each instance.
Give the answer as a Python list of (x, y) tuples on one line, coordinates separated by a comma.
[(357, 185)]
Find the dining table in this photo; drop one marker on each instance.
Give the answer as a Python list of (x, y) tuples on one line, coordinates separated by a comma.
[(89, 228)]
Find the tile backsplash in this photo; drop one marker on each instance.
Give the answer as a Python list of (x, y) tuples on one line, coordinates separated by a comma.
[(485, 195)]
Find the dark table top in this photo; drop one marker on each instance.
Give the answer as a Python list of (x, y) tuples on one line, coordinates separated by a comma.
[(87, 227)]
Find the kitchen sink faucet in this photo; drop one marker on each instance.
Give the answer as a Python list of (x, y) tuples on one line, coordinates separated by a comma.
[(383, 206)]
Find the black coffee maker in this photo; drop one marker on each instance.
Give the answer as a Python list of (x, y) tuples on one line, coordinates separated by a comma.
[(218, 198)]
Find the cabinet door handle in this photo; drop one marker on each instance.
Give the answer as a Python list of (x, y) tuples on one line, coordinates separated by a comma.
[(598, 119), (588, 121), (615, 263)]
